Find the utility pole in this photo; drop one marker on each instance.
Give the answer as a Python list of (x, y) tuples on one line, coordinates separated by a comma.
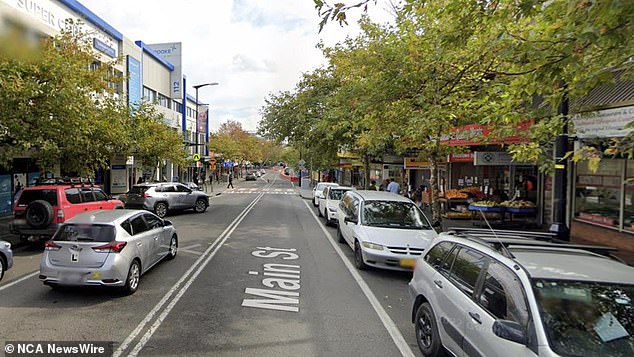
[(560, 184)]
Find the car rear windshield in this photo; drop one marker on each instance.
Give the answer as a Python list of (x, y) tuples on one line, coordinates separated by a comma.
[(85, 233), (139, 190), (28, 196), (587, 318), (393, 214), (336, 194)]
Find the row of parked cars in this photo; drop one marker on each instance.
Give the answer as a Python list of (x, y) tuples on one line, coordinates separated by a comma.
[(95, 239), (479, 292)]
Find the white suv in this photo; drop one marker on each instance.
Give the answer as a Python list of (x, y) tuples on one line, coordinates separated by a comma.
[(478, 293)]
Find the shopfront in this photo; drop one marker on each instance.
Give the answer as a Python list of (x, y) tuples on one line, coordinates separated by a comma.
[(603, 200)]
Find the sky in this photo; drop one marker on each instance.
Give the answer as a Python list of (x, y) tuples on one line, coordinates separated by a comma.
[(250, 47)]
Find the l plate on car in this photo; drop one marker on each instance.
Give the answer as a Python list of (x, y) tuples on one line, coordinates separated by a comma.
[(408, 263)]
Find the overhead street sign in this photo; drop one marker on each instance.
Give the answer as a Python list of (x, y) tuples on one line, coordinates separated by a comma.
[(196, 157)]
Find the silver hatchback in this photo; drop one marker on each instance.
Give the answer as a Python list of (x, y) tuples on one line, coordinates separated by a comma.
[(107, 248), (163, 197), (6, 257)]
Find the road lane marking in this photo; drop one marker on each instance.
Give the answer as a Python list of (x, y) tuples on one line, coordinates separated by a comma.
[(223, 238), (276, 275), (19, 280), (176, 285), (390, 326)]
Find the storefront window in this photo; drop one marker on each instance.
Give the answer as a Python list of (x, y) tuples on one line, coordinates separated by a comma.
[(598, 194)]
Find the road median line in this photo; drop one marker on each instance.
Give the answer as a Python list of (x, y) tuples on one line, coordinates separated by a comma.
[(168, 295)]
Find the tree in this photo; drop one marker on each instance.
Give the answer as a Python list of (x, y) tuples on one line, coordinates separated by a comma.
[(59, 104)]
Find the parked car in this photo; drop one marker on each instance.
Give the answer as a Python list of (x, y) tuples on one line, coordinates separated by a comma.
[(40, 210), (478, 293), (107, 248), (6, 257), (327, 205), (383, 229), (318, 191), (163, 197), (250, 177)]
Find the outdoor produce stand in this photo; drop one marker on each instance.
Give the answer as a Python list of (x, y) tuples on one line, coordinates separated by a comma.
[(488, 209)]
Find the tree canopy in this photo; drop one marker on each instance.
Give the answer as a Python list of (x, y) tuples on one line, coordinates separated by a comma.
[(60, 105)]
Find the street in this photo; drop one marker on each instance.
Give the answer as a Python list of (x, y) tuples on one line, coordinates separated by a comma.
[(256, 274)]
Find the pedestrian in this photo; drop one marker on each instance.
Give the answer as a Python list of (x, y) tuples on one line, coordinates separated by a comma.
[(18, 184), (195, 178), (394, 187), (372, 186), (230, 178), (202, 181), (211, 178)]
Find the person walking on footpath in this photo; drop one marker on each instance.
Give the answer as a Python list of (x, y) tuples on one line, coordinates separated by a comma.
[(393, 187), (230, 180)]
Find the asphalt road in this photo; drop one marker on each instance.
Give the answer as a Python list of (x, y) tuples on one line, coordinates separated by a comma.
[(257, 274)]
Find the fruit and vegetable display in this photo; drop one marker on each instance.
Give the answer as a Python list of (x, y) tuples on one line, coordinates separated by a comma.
[(456, 194), (458, 215), (518, 204), (485, 203)]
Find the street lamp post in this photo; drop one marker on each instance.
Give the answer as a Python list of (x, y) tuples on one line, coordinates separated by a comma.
[(196, 87)]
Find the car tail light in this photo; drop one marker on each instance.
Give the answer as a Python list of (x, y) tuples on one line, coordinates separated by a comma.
[(60, 215), (115, 247), (50, 245), (145, 195)]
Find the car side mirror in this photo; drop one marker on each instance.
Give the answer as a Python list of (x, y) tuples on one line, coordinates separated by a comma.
[(348, 219), (511, 331), (167, 223)]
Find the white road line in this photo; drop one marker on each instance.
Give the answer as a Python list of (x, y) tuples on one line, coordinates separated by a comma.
[(167, 295), (19, 280), (182, 291), (391, 328)]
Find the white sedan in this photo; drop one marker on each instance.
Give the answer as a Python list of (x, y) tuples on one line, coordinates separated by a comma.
[(318, 191), (383, 229), (327, 205)]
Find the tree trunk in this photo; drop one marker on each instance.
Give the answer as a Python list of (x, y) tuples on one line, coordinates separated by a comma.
[(366, 172), (433, 183)]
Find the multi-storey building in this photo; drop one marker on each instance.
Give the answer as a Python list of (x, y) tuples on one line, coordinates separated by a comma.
[(152, 72)]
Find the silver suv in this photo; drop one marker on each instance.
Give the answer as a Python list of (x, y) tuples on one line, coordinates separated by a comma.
[(478, 293), (163, 197)]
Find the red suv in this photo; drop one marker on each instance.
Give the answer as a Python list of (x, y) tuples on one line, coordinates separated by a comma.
[(39, 210)]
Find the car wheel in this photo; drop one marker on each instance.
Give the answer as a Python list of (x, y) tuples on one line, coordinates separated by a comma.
[(201, 206), (427, 335), (160, 209), (133, 278), (3, 266), (173, 248), (340, 238), (358, 257), (315, 203), (319, 211)]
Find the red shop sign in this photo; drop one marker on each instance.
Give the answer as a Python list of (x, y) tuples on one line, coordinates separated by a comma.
[(466, 157), (474, 134)]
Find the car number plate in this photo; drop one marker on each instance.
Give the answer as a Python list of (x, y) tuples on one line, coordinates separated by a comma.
[(408, 263), (72, 278)]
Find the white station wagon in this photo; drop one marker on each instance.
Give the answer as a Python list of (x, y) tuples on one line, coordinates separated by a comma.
[(383, 229)]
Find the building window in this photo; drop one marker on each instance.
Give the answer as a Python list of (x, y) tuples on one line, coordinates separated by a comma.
[(149, 95), (598, 195), (178, 107), (164, 101)]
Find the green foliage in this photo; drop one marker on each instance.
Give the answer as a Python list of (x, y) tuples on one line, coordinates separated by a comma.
[(59, 106), (236, 144)]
